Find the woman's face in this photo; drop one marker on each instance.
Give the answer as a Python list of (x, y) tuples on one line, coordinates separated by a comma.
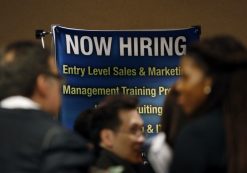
[(192, 86)]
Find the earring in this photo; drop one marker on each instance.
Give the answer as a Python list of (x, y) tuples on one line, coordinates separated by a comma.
[(207, 89)]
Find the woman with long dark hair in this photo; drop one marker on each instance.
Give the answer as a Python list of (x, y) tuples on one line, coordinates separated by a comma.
[(213, 94)]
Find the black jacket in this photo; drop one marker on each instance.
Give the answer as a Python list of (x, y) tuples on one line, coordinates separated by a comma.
[(201, 146), (108, 160), (32, 142)]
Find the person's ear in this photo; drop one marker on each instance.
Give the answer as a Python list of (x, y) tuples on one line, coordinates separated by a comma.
[(41, 85), (107, 137)]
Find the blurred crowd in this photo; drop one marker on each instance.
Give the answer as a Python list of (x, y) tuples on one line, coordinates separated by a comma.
[(204, 124)]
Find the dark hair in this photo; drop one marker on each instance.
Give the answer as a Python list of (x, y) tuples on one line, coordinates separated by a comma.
[(106, 116), (225, 59), (82, 123), (217, 57), (173, 117), (19, 72)]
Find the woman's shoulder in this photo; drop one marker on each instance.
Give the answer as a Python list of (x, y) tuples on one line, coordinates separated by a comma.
[(206, 128)]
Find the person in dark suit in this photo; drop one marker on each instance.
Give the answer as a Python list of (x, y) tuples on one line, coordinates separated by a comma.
[(31, 140), (117, 135), (213, 96)]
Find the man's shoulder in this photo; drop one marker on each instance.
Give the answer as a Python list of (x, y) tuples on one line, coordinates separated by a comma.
[(54, 146), (104, 159), (37, 120), (38, 124), (58, 136), (108, 160), (23, 113), (63, 147)]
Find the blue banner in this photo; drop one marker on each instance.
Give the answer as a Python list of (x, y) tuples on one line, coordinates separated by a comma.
[(142, 63)]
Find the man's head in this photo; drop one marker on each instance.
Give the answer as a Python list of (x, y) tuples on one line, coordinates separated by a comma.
[(82, 123), (28, 70), (118, 127)]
